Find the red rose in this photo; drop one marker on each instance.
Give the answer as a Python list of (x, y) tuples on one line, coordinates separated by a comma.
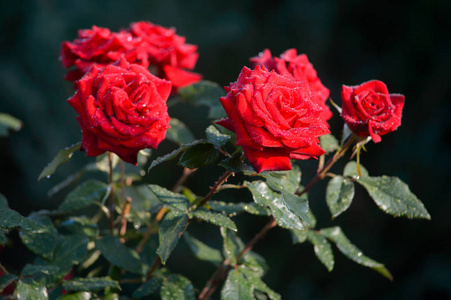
[(168, 52), (369, 110), (274, 118), (101, 47), (122, 109), (298, 67)]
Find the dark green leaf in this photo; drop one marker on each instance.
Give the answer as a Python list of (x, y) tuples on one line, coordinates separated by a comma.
[(214, 218), (179, 133), (232, 245), (284, 180), (200, 155), (89, 192), (62, 157), (6, 279), (2, 238), (81, 225), (172, 227), (339, 195), (215, 137), (77, 296), (350, 170), (263, 195), (43, 243), (151, 287), (346, 132), (175, 153), (312, 219), (177, 287), (322, 248), (30, 270), (394, 197), (205, 93), (8, 122), (336, 235), (149, 252), (3, 201), (202, 251), (10, 219), (230, 209), (236, 287), (298, 236), (255, 262), (119, 255), (297, 205), (27, 289), (235, 164), (258, 284), (90, 284), (170, 199), (328, 142)]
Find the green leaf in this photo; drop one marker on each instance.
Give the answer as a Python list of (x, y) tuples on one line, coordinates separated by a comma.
[(284, 180), (329, 143), (8, 122), (62, 157), (202, 251), (81, 225), (298, 236), (6, 279), (258, 284), (205, 93), (236, 165), (43, 243), (151, 287), (119, 255), (89, 192), (3, 201), (336, 235), (263, 195), (297, 205), (30, 270), (394, 197), (322, 249), (255, 262), (232, 245), (214, 218), (172, 227), (90, 284), (27, 289), (2, 238), (175, 153), (215, 137), (10, 219), (77, 296), (177, 287), (179, 132), (346, 133), (236, 287), (339, 195), (200, 155), (170, 199), (350, 170)]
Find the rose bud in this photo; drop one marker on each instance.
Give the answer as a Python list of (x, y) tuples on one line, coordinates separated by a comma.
[(297, 67), (274, 118), (369, 110), (121, 108), (102, 47), (168, 52)]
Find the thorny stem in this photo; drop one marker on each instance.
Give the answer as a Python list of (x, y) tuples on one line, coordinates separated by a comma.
[(111, 183), (221, 272)]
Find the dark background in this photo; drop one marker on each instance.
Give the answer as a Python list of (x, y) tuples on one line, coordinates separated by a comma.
[(405, 44)]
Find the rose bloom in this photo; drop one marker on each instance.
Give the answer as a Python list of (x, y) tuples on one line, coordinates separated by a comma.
[(297, 67), (100, 46), (369, 110), (121, 108), (168, 52), (274, 118)]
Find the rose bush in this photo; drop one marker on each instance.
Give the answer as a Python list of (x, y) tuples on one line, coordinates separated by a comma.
[(121, 108), (168, 52), (369, 110), (274, 117), (102, 47), (297, 67)]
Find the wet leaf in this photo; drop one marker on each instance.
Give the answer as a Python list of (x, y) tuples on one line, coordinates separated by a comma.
[(284, 180), (297, 205), (254, 262), (81, 225), (174, 154), (394, 197), (322, 248), (339, 195), (151, 287), (77, 296), (90, 284), (62, 157), (11, 219), (214, 218), (43, 243), (31, 270), (179, 133), (119, 255), (336, 235), (351, 170), (203, 251), (170, 199), (205, 93), (89, 192), (215, 137), (236, 287), (329, 143), (200, 155), (27, 289), (258, 284), (149, 252), (232, 245), (177, 287), (172, 227), (298, 236)]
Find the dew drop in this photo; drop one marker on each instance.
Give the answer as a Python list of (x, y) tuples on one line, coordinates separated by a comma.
[(48, 176)]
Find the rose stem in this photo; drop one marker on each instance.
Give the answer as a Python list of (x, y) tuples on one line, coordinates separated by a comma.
[(125, 211), (222, 270), (110, 181)]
